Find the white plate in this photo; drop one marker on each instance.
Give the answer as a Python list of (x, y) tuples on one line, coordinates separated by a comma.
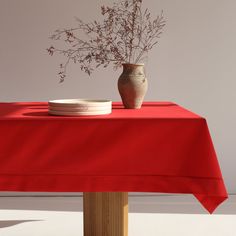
[(79, 107), (79, 113)]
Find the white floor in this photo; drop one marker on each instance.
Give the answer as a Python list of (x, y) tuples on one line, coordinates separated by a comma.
[(149, 215)]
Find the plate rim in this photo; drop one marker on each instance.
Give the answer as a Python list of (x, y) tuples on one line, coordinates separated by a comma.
[(79, 102)]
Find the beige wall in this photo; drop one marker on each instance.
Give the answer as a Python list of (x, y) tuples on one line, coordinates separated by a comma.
[(193, 64)]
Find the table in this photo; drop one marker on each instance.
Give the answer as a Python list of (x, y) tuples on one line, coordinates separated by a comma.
[(159, 148)]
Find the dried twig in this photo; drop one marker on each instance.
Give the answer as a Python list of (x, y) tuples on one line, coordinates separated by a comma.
[(126, 35)]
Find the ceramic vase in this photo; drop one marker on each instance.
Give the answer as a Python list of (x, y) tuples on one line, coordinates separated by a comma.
[(132, 85)]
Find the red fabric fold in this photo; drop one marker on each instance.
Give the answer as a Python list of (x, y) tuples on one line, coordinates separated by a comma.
[(159, 148)]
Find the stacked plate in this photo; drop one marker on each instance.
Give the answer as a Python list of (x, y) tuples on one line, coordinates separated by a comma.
[(79, 107)]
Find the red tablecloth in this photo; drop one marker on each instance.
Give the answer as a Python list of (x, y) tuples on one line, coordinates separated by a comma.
[(159, 148)]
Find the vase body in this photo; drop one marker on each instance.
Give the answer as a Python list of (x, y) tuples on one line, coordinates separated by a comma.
[(132, 85)]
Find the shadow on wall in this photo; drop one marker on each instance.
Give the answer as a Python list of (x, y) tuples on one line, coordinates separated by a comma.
[(179, 204), (42, 203), (171, 204)]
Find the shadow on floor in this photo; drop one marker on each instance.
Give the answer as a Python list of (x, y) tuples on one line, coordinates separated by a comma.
[(9, 223)]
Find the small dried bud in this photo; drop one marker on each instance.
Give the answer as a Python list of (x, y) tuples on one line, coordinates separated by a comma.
[(51, 50)]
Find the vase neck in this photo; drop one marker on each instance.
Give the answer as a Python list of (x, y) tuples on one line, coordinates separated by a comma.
[(133, 68), (133, 64)]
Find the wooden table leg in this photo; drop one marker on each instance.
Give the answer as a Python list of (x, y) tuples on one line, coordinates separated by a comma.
[(105, 213)]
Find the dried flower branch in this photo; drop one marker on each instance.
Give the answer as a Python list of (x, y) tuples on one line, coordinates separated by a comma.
[(126, 35)]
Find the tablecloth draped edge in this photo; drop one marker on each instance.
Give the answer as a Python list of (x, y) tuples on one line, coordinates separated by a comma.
[(209, 195)]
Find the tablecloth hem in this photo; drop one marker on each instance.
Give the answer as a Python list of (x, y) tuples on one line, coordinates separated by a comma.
[(209, 197)]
